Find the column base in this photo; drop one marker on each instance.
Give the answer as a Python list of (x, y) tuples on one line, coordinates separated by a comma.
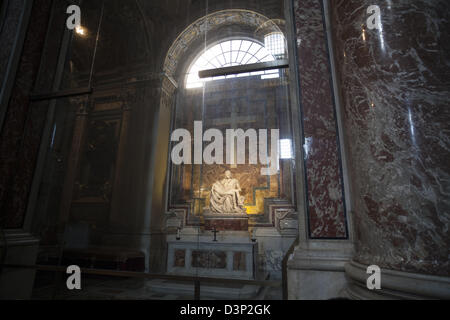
[(316, 271), (395, 285), (21, 249)]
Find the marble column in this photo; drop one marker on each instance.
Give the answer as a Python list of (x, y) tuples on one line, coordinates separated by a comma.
[(395, 87)]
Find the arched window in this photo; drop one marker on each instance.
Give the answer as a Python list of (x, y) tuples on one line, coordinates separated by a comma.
[(227, 54)]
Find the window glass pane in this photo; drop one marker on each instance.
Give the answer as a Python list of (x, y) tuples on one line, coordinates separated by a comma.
[(211, 65), (240, 56), (272, 71), (254, 48), (236, 44), (209, 54), (225, 46), (234, 56), (215, 51), (270, 76), (201, 62), (267, 58), (245, 45), (221, 56), (252, 60), (221, 59)]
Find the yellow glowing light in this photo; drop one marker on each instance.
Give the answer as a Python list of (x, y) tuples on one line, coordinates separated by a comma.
[(80, 30)]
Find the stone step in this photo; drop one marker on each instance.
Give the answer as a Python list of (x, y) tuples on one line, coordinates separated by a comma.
[(210, 291)]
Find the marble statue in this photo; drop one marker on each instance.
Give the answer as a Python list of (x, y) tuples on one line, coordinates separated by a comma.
[(225, 196)]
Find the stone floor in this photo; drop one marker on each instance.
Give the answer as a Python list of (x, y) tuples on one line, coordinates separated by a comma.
[(107, 288)]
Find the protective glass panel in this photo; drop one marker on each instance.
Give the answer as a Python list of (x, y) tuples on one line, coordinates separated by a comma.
[(68, 58), (157, 171)]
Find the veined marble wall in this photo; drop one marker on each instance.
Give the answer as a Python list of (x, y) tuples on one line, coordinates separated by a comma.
[(395, 88), (325, 193)]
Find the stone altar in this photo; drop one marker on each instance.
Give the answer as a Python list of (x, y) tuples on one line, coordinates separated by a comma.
[(226, 222), (232, 257)]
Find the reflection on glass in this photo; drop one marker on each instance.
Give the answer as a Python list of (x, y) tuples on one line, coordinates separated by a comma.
[(81, 31), (275, 43), (285, 149), (108, 198)]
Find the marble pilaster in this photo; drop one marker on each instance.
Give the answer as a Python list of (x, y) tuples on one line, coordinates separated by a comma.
[(323, 169), (316, 267)]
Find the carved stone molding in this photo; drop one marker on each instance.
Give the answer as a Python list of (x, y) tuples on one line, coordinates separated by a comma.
[(286, 221), (175, 219), (277, 214), (209, 23), (395, 285), (169, 85), (168, 88), (181, 215)]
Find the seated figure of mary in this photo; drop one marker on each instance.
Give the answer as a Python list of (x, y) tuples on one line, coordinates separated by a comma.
[(225, 196)]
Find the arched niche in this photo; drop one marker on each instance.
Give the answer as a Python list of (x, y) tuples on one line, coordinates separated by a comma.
[(202, 34), (207, 30)]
